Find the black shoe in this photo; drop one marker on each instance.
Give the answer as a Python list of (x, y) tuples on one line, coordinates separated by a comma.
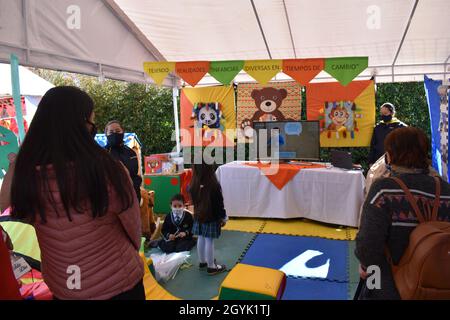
[(202, 265), (218, 269)]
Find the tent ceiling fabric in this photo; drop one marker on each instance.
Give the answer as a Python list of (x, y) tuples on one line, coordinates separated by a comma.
[(228, 30), (81, 36), (117, 36)]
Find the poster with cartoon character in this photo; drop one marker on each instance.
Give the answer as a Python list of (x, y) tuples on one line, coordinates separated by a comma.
[(277, 101), (443, 127), (437, 94), (346, 114), (9, 147), (341, 119), (208, 116)]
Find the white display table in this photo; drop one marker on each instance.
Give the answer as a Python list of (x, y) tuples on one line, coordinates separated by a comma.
[(328, 195)]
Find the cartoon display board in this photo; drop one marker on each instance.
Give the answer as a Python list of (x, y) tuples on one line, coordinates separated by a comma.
[(9, 147), (208, 116), (8, 114), (346, 114), (277, 101), (438, 105)]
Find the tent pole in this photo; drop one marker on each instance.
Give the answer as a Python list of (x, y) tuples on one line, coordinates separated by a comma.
[(445, 68), (175, 92), (404, 36), (25, 27), (15, 84), (261, 29), (290, 29)]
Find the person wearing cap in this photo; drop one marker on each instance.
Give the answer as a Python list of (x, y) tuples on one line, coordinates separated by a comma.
[(387, 124)]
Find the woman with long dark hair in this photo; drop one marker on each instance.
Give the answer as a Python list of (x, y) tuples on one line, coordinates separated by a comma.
[(80, 201), (209, 214)]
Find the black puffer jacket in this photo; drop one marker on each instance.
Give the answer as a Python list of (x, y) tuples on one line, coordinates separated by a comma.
[(380, 132), (129, 159)]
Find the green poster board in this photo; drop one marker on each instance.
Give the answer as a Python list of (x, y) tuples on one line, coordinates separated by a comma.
[(8, 147), (165, 187)]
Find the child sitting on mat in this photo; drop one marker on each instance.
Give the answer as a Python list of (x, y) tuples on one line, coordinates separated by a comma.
[(177, 228), (209, 214)]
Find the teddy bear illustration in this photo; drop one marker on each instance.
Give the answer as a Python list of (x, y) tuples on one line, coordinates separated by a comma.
[(268, 101)]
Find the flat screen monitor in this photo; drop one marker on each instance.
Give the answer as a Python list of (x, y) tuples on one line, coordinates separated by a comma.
[(297, 140)]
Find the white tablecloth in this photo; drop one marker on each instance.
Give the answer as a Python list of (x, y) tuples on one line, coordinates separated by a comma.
[(328, 194)]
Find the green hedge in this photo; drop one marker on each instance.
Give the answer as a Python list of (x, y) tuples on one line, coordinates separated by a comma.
[(148, 110)]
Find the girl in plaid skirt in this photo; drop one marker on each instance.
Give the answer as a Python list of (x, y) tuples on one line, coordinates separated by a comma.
[(209, 214)]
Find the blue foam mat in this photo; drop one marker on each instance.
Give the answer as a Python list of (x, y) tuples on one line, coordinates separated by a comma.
[(274, 251), (309, 289)]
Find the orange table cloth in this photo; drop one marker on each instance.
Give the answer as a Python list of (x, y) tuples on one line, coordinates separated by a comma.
[(285, 172)]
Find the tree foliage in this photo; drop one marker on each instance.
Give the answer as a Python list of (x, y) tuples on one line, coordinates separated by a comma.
[(148, 110), (143, 109)]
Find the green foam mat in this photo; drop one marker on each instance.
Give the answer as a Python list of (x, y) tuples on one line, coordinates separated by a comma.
[(353, 264), (194, 284)]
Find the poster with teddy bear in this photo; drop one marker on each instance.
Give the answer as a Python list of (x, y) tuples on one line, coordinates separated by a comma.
[(276, 101)]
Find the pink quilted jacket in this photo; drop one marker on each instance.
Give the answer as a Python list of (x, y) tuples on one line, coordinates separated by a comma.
[(105, 250)]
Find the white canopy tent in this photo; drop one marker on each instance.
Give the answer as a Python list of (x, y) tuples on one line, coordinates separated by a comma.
[(32, 87), (30, 83), (404, 39)]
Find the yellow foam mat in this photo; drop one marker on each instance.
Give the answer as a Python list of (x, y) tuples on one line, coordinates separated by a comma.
[(153, 290), (244, 224), (299, 227)]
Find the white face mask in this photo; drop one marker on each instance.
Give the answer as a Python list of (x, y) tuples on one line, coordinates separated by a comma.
[(177, 211)]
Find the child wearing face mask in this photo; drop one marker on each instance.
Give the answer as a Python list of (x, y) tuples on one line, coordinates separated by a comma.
[(177, 228)]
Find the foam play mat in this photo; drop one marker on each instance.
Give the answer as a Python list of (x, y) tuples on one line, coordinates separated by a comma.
[(310, 289), (301, 227), (301, 257), (193, 284), (294, 227), (245, 224)]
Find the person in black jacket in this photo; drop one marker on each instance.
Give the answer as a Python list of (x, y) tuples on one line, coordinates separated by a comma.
[(209, 214), (387, 124), (177, 228), (119, 151)]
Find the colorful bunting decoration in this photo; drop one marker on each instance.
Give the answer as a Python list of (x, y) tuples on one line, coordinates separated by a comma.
[(263, 70), (303, 70), (158, 71), (345, 70), (225, 71), (192, 72)]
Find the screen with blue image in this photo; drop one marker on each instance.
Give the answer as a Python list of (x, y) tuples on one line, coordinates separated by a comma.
[(292, 139)]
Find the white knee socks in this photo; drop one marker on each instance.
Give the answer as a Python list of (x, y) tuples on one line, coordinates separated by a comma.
[(205, 250)]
